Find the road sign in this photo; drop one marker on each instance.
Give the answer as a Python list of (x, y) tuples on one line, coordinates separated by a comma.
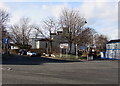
[(5, 40), (64, 45), (83, 47)]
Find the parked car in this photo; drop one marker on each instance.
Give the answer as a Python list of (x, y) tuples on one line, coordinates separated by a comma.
[(22, 52), (29, 53)]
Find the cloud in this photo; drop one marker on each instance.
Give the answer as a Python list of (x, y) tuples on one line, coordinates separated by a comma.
[(99, 10), (59, 0), (35, 12), (111, 33), (3, 6), (102, 16), (54, 10)]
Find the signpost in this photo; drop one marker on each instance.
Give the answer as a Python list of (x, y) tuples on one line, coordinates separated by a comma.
[(76, 51), (83, 47), (5, 41), (65, 46)]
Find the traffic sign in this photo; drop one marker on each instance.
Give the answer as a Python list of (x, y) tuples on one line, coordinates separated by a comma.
[(64, 45), (5, 40), (83, 47)]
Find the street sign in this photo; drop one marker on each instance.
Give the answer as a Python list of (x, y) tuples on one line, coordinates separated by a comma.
[(83, 47), (64, 45), (5, 40)]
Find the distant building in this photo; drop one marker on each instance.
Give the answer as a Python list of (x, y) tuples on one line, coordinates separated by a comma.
[(39, 43), (57, 40), (113, 49), (44, 44)]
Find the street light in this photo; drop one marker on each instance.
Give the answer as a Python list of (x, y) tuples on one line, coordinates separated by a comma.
[(94, 40)]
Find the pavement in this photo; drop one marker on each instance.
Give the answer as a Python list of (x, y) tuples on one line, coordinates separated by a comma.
[(38, 70)]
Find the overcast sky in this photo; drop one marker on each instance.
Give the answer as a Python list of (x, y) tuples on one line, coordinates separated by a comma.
[(100, 15)]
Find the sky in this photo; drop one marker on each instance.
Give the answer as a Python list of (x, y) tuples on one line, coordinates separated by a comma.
[(101, 15)]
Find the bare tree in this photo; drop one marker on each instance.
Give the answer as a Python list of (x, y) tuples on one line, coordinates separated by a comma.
[(4, 17), (85, 38), (48, 30), (71, 22), (100, 42), (20, 33)]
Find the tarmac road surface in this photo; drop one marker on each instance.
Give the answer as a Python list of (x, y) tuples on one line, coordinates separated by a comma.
[(30, 70)]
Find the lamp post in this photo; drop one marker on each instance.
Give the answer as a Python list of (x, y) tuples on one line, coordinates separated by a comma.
[(93, 42), (76, 50)]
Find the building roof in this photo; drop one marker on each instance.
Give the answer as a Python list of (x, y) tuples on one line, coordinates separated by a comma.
[(114, 41), (44, 39), (53, 33), (39, 39), (59, 31)]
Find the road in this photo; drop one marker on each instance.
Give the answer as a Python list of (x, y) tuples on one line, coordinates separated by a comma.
[(38, 70)]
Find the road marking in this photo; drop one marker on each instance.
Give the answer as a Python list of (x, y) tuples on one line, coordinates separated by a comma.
[(8, 68)]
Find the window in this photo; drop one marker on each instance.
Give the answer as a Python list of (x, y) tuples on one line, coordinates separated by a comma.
[(115, 46), (108, 47)]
